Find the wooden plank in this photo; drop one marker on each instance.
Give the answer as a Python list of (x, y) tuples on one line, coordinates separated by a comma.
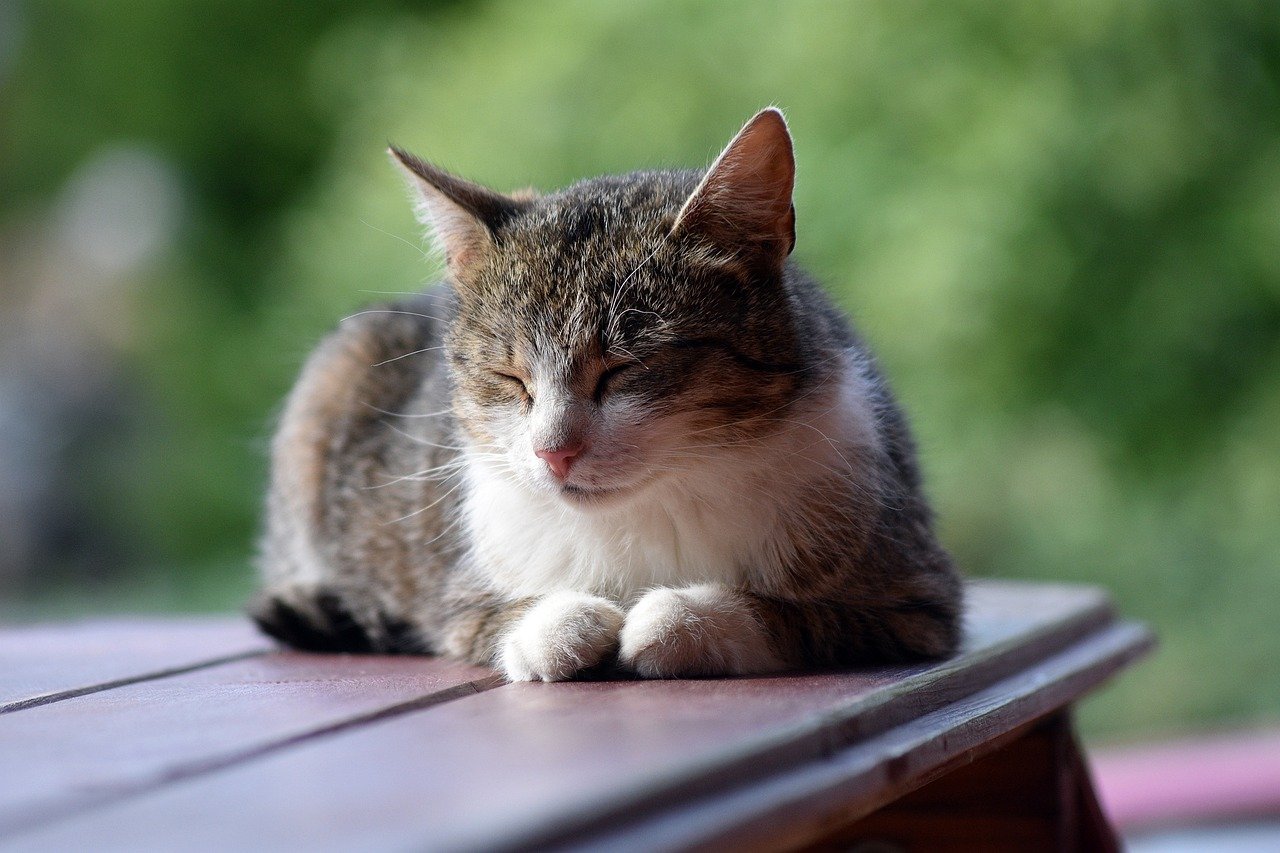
[(1031, 794), (1093, 830), (800, 806), (532, 764), (46, 663), (99, 747), (1010, 801)]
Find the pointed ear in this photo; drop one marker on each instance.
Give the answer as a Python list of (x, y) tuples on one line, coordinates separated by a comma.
[(744, 200), (463, 218)]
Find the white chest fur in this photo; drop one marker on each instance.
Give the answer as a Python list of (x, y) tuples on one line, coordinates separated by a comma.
[(725, 522)]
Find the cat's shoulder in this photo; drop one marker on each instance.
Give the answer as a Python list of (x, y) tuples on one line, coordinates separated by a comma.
[(372, 359)]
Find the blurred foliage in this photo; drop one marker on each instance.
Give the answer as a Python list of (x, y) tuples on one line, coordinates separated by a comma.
[(1057, 222)]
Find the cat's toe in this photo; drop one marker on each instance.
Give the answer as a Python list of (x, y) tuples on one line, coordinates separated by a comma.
[(562, 634), (700, 630)]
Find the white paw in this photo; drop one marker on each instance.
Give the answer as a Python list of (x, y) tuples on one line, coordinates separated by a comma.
[(697, 630), (562, 634)]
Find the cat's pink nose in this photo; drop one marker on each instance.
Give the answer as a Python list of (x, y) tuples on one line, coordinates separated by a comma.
[(560, 459)]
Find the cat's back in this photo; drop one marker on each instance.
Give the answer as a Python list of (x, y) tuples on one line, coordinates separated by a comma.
[(364, 453)]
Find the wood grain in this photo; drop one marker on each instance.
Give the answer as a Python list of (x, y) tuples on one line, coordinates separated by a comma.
[(641, 765), (41, 664), (1009, 801), (1031, 794), (105, 745), (801, 804)]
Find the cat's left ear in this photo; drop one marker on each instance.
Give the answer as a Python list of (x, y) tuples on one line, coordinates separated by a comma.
[(743, 203), (462, 217)]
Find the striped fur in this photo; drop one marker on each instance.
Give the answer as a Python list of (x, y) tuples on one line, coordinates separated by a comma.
[(745, 495)]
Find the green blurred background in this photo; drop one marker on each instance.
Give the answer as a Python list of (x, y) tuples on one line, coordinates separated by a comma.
[(1057, 222)]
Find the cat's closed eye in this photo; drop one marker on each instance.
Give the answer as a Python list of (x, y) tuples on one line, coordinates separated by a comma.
[(515, 383), (609, 377), (563, 504)]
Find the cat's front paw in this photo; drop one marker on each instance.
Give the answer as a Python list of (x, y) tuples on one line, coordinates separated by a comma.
[(562, 634), (697, 630)]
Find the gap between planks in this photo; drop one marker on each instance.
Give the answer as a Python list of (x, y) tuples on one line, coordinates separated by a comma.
[(212, 764), (167, 672)]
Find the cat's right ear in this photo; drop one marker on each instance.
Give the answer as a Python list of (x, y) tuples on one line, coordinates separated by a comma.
[(743, 206), (462, 218)]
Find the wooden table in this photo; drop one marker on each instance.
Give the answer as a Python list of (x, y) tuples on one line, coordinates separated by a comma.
[(197, 735)]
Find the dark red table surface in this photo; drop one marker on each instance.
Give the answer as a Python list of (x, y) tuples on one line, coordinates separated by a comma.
[(197, 734)]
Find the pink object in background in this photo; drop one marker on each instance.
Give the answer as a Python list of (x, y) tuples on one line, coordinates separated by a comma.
[(1181, 783)]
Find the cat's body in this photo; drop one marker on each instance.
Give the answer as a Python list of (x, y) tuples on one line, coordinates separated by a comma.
[(624, 423)]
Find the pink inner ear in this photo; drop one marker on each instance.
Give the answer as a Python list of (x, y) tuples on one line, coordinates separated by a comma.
[(745, 197)]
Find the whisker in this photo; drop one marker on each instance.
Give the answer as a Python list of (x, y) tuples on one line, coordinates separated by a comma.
[(422, 441), (407, 354), (617, 293), (392, 311), (420, 511), (406, 414), (426, 255), (427, 474)]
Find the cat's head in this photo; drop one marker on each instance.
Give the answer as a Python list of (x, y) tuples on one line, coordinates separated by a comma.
[(626, 329)]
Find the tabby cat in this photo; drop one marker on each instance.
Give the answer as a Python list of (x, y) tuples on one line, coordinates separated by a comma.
[(624, 433)]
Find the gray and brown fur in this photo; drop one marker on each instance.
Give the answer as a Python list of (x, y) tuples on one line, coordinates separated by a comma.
[(364, 549)]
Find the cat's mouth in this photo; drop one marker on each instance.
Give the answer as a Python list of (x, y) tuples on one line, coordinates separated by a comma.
[(587, 495)]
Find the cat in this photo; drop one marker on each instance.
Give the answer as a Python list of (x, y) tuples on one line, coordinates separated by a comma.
[(625, 431)]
